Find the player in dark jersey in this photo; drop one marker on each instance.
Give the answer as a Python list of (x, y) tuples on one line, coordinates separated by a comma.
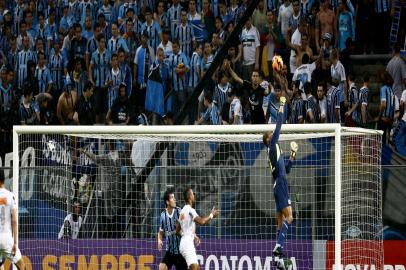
[(281, 190), (167, 227)]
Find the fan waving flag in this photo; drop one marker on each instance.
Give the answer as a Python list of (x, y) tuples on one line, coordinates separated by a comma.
[(154, 100)]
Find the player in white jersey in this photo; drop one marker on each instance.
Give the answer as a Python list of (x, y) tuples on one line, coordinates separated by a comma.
[(8, 227), (71, 225), (187, 227)]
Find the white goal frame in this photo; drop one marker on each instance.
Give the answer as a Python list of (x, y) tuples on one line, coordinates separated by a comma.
[(329, 129)]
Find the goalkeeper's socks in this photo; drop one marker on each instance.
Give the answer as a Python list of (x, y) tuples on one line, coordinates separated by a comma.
[(282, 234)]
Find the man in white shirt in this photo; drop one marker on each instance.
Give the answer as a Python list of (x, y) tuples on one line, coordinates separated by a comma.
[(250, 50), (303, 74), (8, 227), (284, 15), (187, 228)]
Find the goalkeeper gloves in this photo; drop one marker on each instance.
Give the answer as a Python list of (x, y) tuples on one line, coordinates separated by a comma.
[(293, 149), (282, 101)]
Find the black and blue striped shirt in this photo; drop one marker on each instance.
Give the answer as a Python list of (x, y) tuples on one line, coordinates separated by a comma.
[(167, 224), (333, 103)]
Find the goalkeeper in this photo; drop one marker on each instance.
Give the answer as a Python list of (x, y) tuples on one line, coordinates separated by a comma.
[(281, 191)]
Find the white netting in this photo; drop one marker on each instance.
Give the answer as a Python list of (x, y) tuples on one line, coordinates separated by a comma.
[(120, 189)]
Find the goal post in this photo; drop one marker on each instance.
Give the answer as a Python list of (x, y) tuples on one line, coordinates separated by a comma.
[(333, 167)]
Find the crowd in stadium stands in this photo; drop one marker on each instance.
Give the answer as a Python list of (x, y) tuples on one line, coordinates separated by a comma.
[(129, 62)]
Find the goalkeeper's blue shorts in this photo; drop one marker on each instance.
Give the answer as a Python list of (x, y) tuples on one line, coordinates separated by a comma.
[(281, 193)]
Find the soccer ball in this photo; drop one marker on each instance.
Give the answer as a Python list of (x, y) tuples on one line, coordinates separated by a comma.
[(277, 63)]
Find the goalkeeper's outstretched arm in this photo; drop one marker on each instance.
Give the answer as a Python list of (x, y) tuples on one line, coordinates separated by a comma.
[(279, 120)]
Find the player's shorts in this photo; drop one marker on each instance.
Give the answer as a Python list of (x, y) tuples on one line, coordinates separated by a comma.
[(188, 251), (281, 193), (6, 245), (171, 259)]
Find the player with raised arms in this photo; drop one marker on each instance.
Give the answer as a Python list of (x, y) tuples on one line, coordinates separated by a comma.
[(167, 228), (8, 227), (281, 192), (186, 227)]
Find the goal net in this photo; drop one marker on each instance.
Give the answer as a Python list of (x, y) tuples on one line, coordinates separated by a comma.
[(111, 180)]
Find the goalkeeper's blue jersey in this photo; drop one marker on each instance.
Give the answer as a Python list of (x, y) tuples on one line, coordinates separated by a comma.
[(168, 226), (275, 154)]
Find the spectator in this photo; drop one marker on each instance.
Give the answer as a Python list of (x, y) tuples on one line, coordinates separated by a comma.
[(153, 29), (116, 42), (92, 44), (273, 38), (119, 113), (284, 15), (207, 58), (6, 91), (65, 111), (88, 32), (333, 102), (322, 102), (184, 34), (161, 17), (221, 90), (338, 74), (114, 79), (235, 114), (78, 45), (46, 114), (58, 67), (297, 106), (195, 71), (255, 94), (273, 104), (86, 106), (131, 38), (295, 42), (79, 76), (24, 56), (303, 73), (178, 67), (42, 75), (125, 70), (28, 113), (166, 44), (311, 106), (224, 14), (326, 48), (295, 18), (215, 43), (220, 31), (346, 26), (363, 102), (259, 17), (325, 23), (397, 69), (72, 224), (352, 116), (212, 114), (299, 54), (174, 14), (208, 19), (144, 57), (157, 82), (97, 76), (388, 107), (249, 50), (12, 53)]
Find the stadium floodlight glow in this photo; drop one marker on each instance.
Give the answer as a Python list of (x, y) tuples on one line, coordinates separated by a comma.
[(335, 188)]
